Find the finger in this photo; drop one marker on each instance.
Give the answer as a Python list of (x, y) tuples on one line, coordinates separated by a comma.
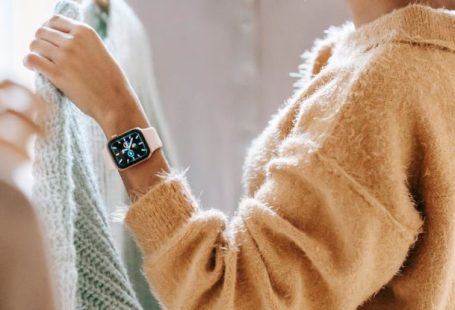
[(19, 102), (31, 123), (18, 150), (44, 48), (50, 35), (44, 66), (14, 130), (61, 23), (18, 98)]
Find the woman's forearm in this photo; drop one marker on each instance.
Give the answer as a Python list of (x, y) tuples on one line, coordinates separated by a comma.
[(73, 57), (137, 179)]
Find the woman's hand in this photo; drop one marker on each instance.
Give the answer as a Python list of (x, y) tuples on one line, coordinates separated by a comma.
[(19, 109), (73, 57)]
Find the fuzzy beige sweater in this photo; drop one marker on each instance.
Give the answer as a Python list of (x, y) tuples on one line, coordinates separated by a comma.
[(350, 190)]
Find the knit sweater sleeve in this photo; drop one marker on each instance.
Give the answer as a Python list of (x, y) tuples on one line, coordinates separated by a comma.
[(323, 231)]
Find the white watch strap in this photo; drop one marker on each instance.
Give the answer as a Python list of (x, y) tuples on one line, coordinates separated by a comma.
[(151, 137)]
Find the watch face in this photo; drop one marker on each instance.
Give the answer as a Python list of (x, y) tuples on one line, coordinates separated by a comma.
[(129, 149)]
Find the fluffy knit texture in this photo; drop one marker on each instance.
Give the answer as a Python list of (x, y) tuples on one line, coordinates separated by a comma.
[(349, 192), (87, 266)]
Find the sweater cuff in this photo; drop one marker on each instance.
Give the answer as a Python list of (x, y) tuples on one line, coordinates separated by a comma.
[(158, 214)]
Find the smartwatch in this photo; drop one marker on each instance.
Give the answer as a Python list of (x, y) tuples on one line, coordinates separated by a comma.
[(131, 148)]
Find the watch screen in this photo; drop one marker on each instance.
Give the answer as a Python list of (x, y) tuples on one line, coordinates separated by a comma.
[(129, 148)]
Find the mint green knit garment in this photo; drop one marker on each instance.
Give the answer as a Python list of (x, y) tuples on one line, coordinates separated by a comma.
[(87, 267)]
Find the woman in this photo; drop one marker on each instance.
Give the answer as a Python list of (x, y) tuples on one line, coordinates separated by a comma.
[(349, 190)]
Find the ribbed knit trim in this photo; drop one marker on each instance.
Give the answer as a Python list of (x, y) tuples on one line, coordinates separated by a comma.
[(414, 23), (166, 207)]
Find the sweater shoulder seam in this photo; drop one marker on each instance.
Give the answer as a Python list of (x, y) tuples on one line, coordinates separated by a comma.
[(409, 229)]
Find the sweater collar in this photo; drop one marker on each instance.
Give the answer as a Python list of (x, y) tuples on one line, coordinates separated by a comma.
[(414, 23)]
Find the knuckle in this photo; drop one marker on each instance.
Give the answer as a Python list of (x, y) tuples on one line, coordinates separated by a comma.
[(83, 30), (33, 59), (68, 46), (39, 32), (30, 60), (33, 44), (54, 19), (79, 31)]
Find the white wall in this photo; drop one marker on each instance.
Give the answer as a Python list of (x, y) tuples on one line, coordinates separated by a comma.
[(19, 20), (223, 68)]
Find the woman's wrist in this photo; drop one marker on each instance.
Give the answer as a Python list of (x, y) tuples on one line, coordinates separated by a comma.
[(129, 114), (124, 115)]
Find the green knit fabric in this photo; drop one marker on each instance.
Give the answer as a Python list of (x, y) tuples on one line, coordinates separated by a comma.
[(84, 232)]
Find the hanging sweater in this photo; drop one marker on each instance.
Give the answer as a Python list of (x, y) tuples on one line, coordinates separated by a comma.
[(86, 265), (350, 190)]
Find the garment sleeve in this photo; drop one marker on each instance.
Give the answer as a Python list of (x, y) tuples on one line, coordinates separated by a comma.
[(311, 237)]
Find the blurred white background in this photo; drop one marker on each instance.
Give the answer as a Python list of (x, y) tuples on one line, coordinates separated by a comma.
[(18, 21), (222, 68)]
